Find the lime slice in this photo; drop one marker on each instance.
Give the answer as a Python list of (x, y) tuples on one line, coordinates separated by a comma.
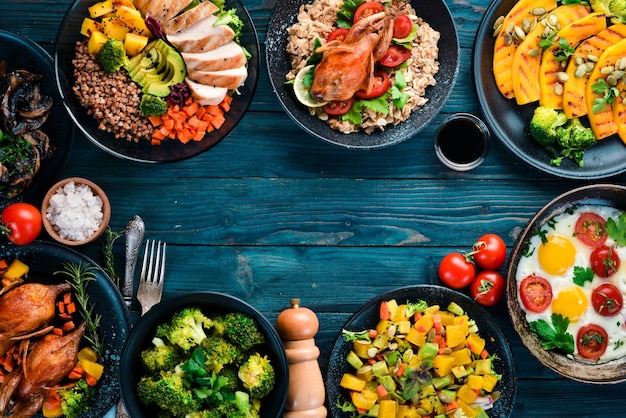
[(302, 91)]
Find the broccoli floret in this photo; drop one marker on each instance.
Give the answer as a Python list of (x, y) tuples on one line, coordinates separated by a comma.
[(186, 329), (159, 357), (614, 9), (152, 105), (544, 124), (169, 392), (218, 352), (232, 382), (241, 329), (112, 55), (257, 375), (78, 399), (247, 407), (573, 139)]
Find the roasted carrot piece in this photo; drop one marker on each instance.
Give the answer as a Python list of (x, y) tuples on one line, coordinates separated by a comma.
[(91, 381)]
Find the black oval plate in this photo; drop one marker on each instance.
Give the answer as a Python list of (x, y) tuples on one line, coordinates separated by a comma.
[(143, 151), (434, 12), (509, 122), (45, 258), (22, 53), (368, 315)]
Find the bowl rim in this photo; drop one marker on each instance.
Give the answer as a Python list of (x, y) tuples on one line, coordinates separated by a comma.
[(106, 210), (610, 372)]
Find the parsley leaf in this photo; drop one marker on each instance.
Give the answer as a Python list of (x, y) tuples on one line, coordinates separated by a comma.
[(554, 336), (617, 231), (346, 13), (607, 92), (315, 57), (582, 275)]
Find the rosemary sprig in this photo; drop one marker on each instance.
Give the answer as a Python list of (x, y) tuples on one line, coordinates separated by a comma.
[(107, 253), (78, 277)]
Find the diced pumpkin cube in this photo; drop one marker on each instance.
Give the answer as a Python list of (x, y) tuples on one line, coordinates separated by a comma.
[(489, 382), (466, 394), (133, 19), (387, 408), (475, 343), (455, 334), (462, 356), (403, 327), (361, 347), (443, 364), (446, 318), (92, 368), (475, 382), (364, 400), (119, 3), (16, 270), (114, 28), (415, 337), (89, 26), (467, 409), (382, 326), (425, 323), (351, 382), (426, 404), (134, 44), (483, 366), (96, 40), (101, 9)]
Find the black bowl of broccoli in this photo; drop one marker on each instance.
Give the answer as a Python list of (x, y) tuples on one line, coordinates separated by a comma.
[(204, 354)]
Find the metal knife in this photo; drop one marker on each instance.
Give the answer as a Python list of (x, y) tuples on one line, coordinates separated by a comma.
[(134, 238)]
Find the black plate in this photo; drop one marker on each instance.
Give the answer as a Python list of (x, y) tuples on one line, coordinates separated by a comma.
[(509, 122), (168, 151), (434, 12), (368, 315), (45, 258), (22, 53), (611, 195)]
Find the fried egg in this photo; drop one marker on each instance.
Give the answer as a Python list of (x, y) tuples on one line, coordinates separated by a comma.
[(554, 253)]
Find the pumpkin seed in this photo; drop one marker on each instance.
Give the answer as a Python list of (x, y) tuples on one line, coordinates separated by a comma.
[(519, 33), (607, 69), (546, 32), (621, 63), (611, 81), (497, 31), (538, 11), (553, 20), (558, 89), (533, 52), (499, 21), (618, 74), (578, 60), (509, 28), (495, 395), (508, 38), (581, 70), (562, 76), (592, 57)]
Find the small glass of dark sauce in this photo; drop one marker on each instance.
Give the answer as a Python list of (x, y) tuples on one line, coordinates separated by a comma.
[(462, 141)]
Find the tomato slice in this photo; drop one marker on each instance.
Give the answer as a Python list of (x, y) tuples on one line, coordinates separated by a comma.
[(591, 341), (607, 299), (604, 261), (536, 293), (395, 56), (337, 108), (338, 34), (367, 9), (590, 229), (402, 26), (381, 85)]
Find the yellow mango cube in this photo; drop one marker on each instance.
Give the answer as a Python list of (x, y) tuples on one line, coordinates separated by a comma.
[(467, 409), (462, 356), (425, 323), (101, 9), (475, 382), (134, 44), (92, 368), (415, 337), (475, 343), (364, 400), (89, 26), (96, 40), (455, 334), (443, 364), (114, 28), (387, 408), (489, 382), (133, 19), (446, 318), (351, 382), (361, 347), (16, 270), (119, 3), (466, 394)]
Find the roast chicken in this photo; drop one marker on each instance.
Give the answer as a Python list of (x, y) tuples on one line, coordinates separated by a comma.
[(348, 66)]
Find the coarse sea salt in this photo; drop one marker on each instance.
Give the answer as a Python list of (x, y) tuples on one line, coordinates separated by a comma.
[(75, 212)]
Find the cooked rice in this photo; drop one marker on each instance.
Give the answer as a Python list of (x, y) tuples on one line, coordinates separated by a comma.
[(316, 20)]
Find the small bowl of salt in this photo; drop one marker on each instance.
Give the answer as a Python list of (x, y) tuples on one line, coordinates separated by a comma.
[(75, 211)]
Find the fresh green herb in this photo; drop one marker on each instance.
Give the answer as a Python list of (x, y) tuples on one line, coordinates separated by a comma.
[(542, 233), (356, 335), (563, 50), (316, 57), (345, 14), (210, 387), (406, 42), (345, 406), (608, 93), (551, 223), (566, 2), (582, 275), (416, 379), (107, 252), (78, 277), (528, 251), (555, 336), (398, 97), (618, 344), (617, 231)]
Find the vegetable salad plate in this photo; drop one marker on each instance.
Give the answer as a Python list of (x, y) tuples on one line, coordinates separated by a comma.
[(368, 316), (45, 258), (22, 53), (435, 13), (509, 122), (144, 151)]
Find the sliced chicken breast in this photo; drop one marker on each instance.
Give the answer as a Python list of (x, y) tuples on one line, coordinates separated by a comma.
[(225, 57), (188, 18), (163, 10), (206, 95), (230, 79), (202, 36)]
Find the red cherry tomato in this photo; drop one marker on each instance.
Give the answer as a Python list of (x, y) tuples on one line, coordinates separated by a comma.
[(338, 108), (591, 341), (536, 293), (395, 56), (21, 223), (590, 229), (456, 271), (402, 26), (487, 288), (607, 299), (604, 261), (490, 252), (338, 34), (367, 9), (381, 85)]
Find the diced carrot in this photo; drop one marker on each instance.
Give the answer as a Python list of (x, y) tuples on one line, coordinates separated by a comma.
[(437, 322), (484, 354), (57, 331), (155, 120), (381, 391), (68, 326), (385, 314), (67, 298), (225, 105), (218, 121), (52, 400), (64, 316), (191, 108), (70, 307), (4, 264), (76, 373), (400, 371), (169, 124), (452, 406), (214, 109), (61, 307), (373, 333), (91, 381), (6, 281)]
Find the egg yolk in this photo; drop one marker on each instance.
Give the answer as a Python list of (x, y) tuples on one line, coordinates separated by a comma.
[(556, 255), (571, 302)]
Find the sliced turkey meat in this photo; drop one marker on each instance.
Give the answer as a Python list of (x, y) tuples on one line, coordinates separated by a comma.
[(230, 79), (189, 17), (202, 36), (206, 95), (224, 57), (162, 10)]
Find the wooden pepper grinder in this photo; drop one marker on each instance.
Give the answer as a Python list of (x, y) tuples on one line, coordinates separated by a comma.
[(305, 397)]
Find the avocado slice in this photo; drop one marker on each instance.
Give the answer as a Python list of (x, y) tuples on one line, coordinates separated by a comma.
[(157, 68)]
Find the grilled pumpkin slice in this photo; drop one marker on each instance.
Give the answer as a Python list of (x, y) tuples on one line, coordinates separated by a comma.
[(503, 51), (601, 121), (573, 33), (574, 103), (526, 65), (619, 110)]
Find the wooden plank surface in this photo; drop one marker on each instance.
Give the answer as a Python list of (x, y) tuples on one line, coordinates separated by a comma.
[(271, 213)]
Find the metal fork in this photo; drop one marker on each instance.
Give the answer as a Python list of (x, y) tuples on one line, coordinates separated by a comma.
[(152, 271)]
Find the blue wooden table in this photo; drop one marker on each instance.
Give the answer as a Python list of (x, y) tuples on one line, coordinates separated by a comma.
[(271, 213)]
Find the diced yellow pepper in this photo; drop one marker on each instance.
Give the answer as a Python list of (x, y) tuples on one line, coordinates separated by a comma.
[(475, 343), (92, 368), (415, 337), (455, 334), (88, 354), (387, 408), (462, 356), (489, 382), (466, 394), (96, 40), (51, 413), (101, 9), (475, 382), (364, 400), (399, 314), (16, 270), (351, 382), (443, 364), (134, 44)]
